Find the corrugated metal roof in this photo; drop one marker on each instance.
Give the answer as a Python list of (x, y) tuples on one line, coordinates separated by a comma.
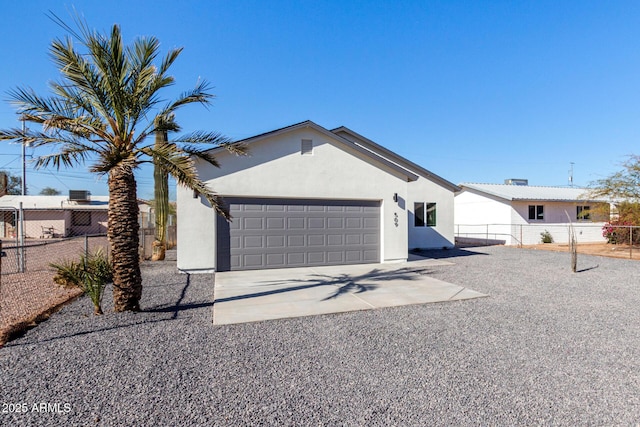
[(530, 192), (53, 202)]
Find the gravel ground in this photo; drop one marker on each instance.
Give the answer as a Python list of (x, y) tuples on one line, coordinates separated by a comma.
[(548, 347)]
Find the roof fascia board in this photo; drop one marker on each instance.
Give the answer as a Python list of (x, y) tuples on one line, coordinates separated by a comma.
[(484, 193)]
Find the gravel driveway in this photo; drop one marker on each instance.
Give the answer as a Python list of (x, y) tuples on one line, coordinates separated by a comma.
[(547, 347)]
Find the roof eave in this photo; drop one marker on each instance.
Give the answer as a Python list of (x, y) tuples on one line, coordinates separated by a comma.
[(405, 163)]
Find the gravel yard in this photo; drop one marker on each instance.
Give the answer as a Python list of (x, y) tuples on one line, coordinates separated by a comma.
[(547, 347)]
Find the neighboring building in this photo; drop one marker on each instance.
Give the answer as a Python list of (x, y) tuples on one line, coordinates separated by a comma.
[(306, 195), (516, 213), (54, 216), (77, 214)]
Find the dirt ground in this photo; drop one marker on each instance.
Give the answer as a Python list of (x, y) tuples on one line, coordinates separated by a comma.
[(601, 249), (31, 296)]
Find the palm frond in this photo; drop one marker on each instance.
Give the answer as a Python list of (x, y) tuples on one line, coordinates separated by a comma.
[(69, 156), (199, 94), (178, 163)]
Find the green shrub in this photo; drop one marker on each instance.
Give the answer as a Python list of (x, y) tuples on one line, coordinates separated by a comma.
[(546, 237), (91, 274)]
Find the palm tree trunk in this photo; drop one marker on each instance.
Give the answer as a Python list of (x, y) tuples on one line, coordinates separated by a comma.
[(161, 196), (122, 230)]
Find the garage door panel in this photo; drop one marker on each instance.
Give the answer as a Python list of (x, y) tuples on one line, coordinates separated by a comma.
[(335, 257), (316, 258), (268, 233), (316, 240), (252, 260), (252, 223), (371, 256), (354, 223), (275, 223), (371, 224), (370, 239), (316, 223), (252, 242), (296, 241), (353, 239), (275, 241), (295, 258), (295, 223), (353, 256), (335, 240), (335, 222), (276, 260)]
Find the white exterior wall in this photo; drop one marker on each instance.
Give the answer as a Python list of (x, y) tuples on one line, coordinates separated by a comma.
[(555, 222), (481, 217), (442, 235), (275, 168), (554, 212)]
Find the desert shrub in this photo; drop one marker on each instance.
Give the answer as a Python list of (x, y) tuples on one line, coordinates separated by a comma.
[(546, 237), (91, 274), (617, 232)]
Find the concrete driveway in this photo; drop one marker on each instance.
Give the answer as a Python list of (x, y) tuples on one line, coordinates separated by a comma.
[(249, 296)]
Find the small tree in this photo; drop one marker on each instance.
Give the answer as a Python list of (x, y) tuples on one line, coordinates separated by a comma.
[(573, 244), (10, 184), (49, 191), (621, 189)]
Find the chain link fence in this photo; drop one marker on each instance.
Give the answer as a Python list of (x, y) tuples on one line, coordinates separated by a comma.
[(626, 236), (27, 291), (30, 240)]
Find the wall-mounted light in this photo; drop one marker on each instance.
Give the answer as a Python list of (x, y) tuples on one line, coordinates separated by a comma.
[(196, 194), (395, 197)]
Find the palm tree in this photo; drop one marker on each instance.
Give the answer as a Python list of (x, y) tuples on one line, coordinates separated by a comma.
[(101, 112)]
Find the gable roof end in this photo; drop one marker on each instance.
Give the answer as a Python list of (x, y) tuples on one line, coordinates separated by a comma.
[(411, 176), (395, 158)]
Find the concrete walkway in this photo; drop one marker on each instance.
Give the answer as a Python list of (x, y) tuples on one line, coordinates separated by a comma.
[(249, 296)]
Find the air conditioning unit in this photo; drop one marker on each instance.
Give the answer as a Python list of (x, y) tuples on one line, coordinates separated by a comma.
[(514, 181), (79, 196)]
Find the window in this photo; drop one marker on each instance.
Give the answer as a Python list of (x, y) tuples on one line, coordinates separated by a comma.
[(418, 210), (80, 218), (536, 212), (582, 213), (431, 214), (306, 148), (424, 216)]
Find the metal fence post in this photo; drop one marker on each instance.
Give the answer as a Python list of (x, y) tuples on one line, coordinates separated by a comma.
[(86, 249), (0, 273), (21, 254), (630, 242)]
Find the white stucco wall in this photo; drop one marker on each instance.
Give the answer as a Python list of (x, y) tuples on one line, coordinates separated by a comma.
[(442, 235), (482, 217), (275, 168), (554, 212)]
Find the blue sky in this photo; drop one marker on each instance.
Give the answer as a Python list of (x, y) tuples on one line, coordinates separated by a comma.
[(473, 91)]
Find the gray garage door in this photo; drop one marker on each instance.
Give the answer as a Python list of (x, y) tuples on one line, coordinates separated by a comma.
[(272, 233)]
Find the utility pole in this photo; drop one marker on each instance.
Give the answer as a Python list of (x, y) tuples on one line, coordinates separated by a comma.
[(571, 175), (24, 159)]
